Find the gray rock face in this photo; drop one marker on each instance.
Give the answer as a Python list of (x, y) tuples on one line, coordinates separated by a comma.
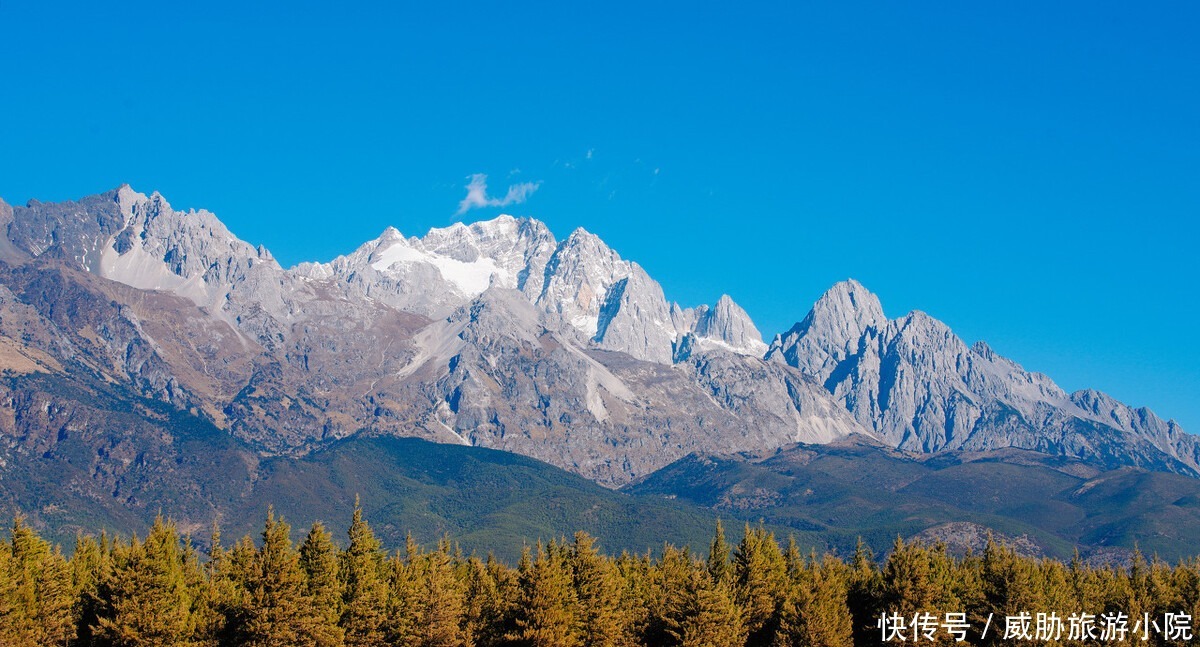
[(70, 231), (140, 241), (1142, 423), (8, 252), (727, 326), (497, 378), (918, 386), (607, 298)]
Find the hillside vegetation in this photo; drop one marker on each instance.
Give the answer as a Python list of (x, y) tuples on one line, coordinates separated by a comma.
[(1042, 505)]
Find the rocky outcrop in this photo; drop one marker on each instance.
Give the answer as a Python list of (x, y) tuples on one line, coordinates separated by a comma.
[(725, 326)]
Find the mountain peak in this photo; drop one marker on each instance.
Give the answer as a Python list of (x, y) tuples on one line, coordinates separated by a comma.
[(844, 312), (581, 236), (850, 295), (832, 330), (589, 251), (501, 220), (159, 199), (390, 234), (503, 227), (126, 198), (921, 320), (730, 327)]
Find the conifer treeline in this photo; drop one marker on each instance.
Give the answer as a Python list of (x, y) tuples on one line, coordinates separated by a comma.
[(157, 591)]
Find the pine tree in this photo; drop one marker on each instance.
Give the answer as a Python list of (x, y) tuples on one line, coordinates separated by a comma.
[(863, 597), (760, 576), (546, 614), (481, 611), (319, 561), (365, 589), (56, 600), (719, 566), (1139, 593), (1185, 582), (1055, 587), (279, 611), (815, 613), (204, 623), (635, 574), (440, 598), (145, 598), (919, 579), (793, 561), (402, 625), (219, 599), (711, 618), (39, 588), (90, 565), (240, 563), (227, 587), (598, 587), (508, 586), (1010, 583), (666, 596), (10, 624)]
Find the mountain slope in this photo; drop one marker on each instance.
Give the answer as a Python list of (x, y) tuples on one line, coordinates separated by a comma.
[(98, 457), (1043, 505)]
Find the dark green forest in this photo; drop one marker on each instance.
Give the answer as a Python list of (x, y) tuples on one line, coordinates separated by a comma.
[(325, 591)]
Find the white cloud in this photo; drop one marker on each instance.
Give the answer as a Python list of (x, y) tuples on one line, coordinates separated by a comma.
[(477, 195)]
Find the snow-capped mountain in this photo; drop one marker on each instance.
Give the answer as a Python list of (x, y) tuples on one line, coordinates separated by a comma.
[(448, 267), (493, 333), (580, 281)]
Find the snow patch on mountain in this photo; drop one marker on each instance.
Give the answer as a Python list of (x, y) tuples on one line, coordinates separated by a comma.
[(469, 278), (580, 281)]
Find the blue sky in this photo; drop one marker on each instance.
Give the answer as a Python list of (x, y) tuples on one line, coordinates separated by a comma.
[(1027, 172)]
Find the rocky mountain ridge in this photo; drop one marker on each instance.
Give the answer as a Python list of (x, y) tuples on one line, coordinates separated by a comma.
[(921, 388), (493, 334), (499, 335)]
